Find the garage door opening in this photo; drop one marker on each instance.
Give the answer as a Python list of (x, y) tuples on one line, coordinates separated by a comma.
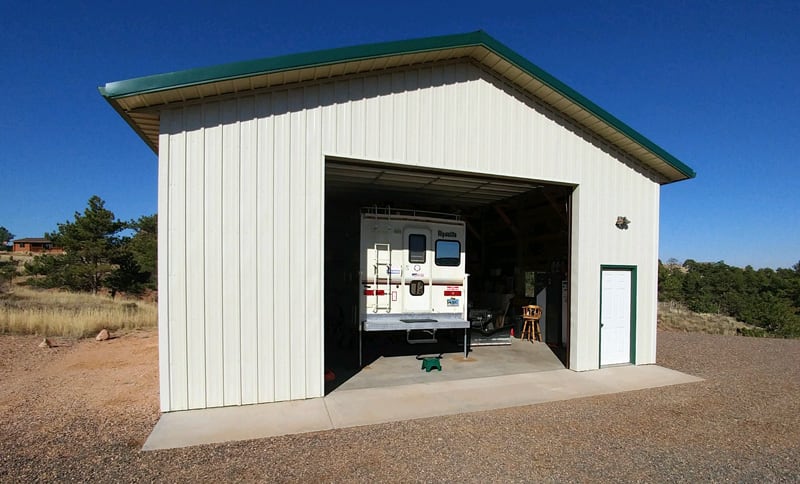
[(517, 253)]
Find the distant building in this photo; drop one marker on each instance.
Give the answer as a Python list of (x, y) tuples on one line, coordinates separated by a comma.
[(36, 245)]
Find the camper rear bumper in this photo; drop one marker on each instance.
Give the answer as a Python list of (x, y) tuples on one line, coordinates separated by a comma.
[(402, 322), (413, 321)]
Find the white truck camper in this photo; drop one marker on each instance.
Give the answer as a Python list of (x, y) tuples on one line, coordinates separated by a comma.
[(413, 274)]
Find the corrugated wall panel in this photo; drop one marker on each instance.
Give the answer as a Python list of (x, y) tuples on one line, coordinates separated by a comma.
[(385, 131), (451, 123), (464, 153), (195, 243), (649, 298), (480, 128), (247, 177), (265, 253), (399, 128), (371, 111), (231, 299), (164, 359), (213, 254), (438, 116), (248, 248), (314, 249), (425, 118), (328, 113), (412, 128), (343, 116), (298, 299), (176, 285), (358, 116), (282, 274)]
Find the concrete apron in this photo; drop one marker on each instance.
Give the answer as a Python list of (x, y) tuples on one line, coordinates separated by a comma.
[(366, 406)]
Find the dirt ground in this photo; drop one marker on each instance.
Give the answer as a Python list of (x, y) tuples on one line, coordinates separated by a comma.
[(76, 404), (80, 411)]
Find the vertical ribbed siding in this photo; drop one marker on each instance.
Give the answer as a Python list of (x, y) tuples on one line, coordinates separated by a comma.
[(298, 238), (212, 254), (248, 248), (282, 275), (265, 258), (314, 248), (241, 198), (164, 353), (231, 270), (647, 309), (195, 251), (245, 185), (176, 263)]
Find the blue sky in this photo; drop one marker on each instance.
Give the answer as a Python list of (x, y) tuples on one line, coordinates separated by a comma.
[(716, 84)]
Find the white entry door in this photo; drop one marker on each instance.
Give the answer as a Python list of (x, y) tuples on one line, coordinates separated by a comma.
[(615, 316), (417, 271)]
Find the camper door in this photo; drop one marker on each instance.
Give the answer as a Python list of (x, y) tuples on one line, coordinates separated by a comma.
[(417, 270)]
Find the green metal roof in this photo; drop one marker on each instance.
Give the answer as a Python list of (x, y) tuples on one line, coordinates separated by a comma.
[(234, 70), (114, 92)]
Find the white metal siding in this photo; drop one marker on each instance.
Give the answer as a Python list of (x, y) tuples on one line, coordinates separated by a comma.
[(265, 253), (164, 366), (212, 250), (241, 197)]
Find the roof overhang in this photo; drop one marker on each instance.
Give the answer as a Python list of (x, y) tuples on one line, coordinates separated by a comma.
[(139, 100)]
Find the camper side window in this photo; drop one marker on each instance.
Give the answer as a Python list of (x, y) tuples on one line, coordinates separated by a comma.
[(416, 248), (448, 253)]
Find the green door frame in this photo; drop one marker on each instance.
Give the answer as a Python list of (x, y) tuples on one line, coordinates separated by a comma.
[(632, 270)]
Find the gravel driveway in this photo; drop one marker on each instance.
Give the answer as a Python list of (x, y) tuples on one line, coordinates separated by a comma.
[(81, 411)]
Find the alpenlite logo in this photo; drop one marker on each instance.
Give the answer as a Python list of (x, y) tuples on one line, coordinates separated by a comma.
[(447, 234)]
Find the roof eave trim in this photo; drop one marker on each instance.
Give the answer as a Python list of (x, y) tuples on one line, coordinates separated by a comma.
[(114, 104), (237, 70), (175, 80)]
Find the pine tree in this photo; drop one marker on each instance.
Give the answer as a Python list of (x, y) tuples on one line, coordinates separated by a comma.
[(91, 243), (5, 237)]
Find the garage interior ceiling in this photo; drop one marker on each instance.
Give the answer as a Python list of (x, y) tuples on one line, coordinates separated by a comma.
[(408, 187)]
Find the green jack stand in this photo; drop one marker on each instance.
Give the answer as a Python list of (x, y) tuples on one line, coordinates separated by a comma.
[(429, 364)]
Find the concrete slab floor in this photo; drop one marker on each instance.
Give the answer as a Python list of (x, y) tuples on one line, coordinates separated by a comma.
[(484, 361), (366, 406)]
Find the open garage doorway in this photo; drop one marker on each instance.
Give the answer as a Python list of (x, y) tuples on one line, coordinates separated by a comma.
[(516, 253)]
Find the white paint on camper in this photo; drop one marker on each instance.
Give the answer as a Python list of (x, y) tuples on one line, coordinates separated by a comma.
[(452, 115), (401, 250)]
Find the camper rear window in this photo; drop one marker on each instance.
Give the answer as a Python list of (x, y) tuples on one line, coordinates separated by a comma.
[(416, 248), (448, 253)]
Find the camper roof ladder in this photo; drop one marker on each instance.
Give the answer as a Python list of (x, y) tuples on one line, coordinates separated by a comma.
[(383, 260)]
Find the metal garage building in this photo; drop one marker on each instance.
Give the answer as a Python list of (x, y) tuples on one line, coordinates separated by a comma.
[(263, 165)]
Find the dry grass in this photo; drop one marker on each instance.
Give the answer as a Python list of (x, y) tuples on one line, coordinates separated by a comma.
[(23, 257), (673, 316), (50, 313)]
